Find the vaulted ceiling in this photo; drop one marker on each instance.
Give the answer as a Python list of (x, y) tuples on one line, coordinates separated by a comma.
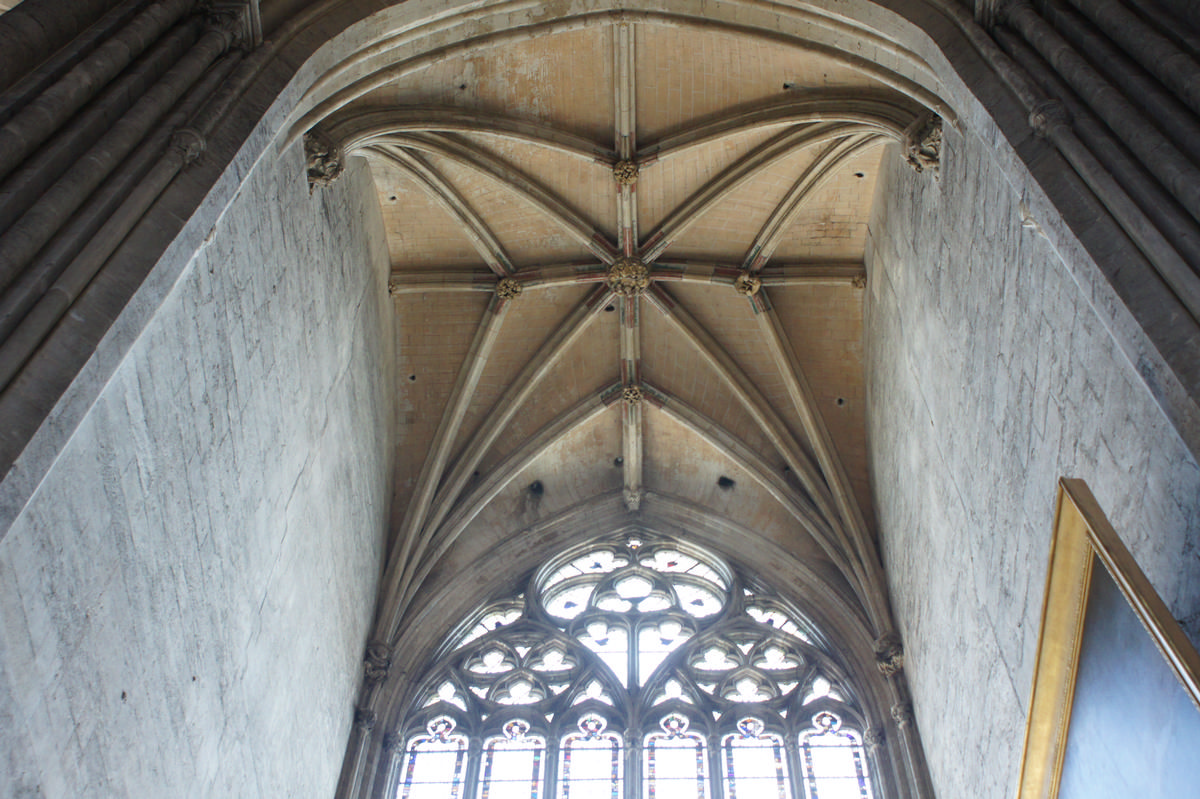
[(627, 268)]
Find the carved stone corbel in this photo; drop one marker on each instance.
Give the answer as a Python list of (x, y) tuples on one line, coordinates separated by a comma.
[(873, 739), (633, 498), (923, 143), (189, 142), (1047, 115), (889, 654), (902, 714), (323, 159), (376, 662), (390, 743), (364, 719)]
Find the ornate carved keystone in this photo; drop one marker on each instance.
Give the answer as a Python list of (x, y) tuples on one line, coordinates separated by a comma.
[(631, 394), (747, 284), (508, 289), (628, 277), (625, 172)]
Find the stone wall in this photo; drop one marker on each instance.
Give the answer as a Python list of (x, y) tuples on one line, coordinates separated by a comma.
[(990, 376), (185, 599)]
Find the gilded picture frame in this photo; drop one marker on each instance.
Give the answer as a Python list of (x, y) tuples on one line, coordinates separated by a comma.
[(1083, 538)]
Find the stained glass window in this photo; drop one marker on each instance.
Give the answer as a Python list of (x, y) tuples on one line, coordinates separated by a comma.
[(435, 763), (754, 762), (537, 697), (833, 761), (676, 762), (513, 764), (592, 762)]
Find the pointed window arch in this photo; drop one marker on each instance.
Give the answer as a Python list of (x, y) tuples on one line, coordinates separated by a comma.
[(638, 668)]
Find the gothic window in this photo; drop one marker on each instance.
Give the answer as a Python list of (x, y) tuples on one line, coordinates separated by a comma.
[(636, 669)]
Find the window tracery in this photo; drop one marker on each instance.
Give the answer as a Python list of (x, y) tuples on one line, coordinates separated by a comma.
[(634, 669)]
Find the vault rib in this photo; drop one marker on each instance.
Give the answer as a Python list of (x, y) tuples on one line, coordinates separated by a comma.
[(814, 176), (624, 112), (800, 393), (725, 182), (496, 420), (356, 130), (718, 273), (632, 425), (798, 505), (431, 282), (665, 271), (514, 180), (439, 452), (437, 187), (504, 472), (624, 100), (501, 32), (884, 115), (683, 512), (755, 403)]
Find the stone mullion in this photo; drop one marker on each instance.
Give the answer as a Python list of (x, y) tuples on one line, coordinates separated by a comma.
[(716, 782), (791, 749), (474, 768)]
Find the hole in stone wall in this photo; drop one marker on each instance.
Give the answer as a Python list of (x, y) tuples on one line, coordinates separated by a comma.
[(788, 85), (610, 308), (859, 175), (462, 87), (536, 488), (841, 401), (412, 378), (724, 483), (618, 461), (392, 198)]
